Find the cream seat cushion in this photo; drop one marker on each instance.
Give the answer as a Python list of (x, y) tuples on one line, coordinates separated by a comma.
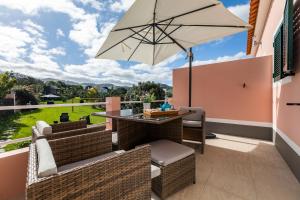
[(115, 138), (165, 152), (87, 161), (43, 128), (155, 171), (46, 162), (192, 124)]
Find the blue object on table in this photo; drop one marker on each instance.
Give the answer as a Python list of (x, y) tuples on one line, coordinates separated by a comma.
[(165, 106)]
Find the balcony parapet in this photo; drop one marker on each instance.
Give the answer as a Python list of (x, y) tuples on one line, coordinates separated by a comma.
[(13, 172)]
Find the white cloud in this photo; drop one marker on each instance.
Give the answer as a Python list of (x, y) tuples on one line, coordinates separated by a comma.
[(59, 33), (13, 42), (241, 11), (25, 50), (58, 51), (160, 67), (97, 42), (33, 7), (103, 70), (93, 3), (121, 5), (85, 31), (33, 25), (87, 35)]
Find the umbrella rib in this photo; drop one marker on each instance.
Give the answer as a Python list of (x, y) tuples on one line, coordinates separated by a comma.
[(204, 25), (139, 35), (167, 25), (130, 36), (171, 38), (169, 33), (139, 44), (145, 41), (131, 27)]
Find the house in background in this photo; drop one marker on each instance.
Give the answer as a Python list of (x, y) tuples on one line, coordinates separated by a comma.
[(257, 97)]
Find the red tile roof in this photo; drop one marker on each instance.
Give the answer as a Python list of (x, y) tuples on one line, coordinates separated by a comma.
[(254, 4)]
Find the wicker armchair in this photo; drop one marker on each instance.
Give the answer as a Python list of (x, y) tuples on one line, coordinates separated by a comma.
[(68, 133), (118, 176), (194, 126)]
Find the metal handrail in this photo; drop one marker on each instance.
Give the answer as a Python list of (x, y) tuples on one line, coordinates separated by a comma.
[(26, 107), (129, 102)]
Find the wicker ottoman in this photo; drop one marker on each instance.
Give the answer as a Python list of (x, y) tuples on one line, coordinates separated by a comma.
[(177, 164)]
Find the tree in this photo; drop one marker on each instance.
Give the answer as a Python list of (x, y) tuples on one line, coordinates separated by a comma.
[(119, 92), (145, 88), (6, 84), (92, 93), (24, 97)]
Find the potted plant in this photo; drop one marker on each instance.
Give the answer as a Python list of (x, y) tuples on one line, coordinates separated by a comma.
[(147, 99)]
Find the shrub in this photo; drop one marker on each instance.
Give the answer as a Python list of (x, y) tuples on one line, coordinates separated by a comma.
[(24, 97), (19, 145)]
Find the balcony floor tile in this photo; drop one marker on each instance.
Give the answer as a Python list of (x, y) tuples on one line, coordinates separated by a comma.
[(234, 168)]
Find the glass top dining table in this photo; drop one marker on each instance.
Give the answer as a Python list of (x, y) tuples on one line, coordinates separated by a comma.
[(134, 129), (129, 115)]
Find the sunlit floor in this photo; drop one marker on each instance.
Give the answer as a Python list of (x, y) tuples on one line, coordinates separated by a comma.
[(234, 168)]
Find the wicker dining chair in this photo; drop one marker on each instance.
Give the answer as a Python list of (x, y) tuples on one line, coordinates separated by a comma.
[(194, 125), (117, 176), (68, 133)]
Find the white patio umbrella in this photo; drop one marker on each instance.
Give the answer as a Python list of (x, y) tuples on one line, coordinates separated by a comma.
[(153, 30), (50, 96)]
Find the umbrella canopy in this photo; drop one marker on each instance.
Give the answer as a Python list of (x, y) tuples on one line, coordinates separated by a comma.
[(50, 96), (153, 30)]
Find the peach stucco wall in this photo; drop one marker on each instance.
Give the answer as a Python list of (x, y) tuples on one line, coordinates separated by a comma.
[(218, 88), (13, 172), (286, 118), (112, 104), (273, 21)]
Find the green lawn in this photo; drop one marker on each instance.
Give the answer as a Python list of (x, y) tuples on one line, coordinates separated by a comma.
[(19, 125)]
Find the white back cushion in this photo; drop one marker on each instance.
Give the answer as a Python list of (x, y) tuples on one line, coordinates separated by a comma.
[(197, 116), (36, 132), (46, 162), (43, 128)]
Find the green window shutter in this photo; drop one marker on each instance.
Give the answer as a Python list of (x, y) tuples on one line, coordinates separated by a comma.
[(278, 52), (288, 38)]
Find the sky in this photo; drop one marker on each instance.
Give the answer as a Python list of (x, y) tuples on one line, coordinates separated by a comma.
[(59, 39)]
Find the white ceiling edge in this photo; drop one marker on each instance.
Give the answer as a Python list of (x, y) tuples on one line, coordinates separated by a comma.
[(263, 12)]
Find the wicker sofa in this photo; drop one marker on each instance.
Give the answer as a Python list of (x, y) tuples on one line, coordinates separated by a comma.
[(81, 176), (67, 126), (66, 130)]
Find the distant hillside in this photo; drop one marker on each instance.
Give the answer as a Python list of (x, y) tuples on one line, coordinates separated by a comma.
[(165, 86), (28, 80), (65, 81)]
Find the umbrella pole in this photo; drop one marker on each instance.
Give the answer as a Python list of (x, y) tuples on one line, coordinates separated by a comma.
[(209, 135), (190, 75)]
